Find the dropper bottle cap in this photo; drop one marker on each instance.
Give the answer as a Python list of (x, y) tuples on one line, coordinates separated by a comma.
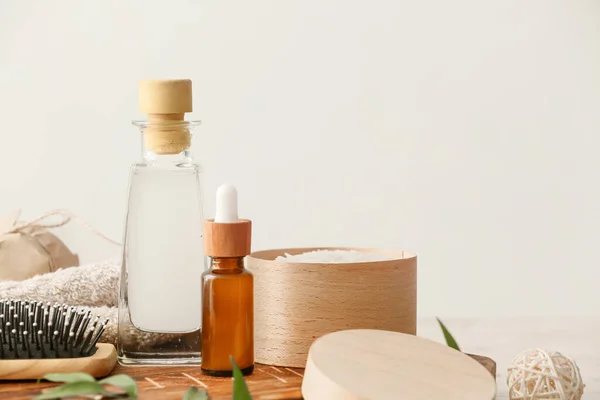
[(227, 235), (166, 101)]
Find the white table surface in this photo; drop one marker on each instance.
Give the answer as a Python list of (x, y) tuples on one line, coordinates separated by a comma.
[(502, 339)]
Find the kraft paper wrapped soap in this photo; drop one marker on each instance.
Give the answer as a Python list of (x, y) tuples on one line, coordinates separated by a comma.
[(28, 249)]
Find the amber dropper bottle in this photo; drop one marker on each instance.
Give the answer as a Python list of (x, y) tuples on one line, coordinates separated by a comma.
[(227, 290)]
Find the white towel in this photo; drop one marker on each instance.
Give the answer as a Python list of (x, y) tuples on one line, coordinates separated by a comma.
[(95, 286)]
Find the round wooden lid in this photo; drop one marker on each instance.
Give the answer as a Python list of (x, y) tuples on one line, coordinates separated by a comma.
[(165, 96), (368, 364)]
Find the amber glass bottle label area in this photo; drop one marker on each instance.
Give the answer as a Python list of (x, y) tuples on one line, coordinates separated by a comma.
[(227, 317)]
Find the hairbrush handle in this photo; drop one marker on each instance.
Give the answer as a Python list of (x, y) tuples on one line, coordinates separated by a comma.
[(100, 364)]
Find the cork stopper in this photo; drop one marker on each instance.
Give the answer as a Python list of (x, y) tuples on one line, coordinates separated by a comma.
[(166, 102), (165, 96), (227, 235)]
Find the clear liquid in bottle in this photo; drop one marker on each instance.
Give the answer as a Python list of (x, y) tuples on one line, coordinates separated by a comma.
[(160, 306)]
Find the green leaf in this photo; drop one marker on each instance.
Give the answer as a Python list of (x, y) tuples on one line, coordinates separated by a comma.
[(69, 377), (448, 336), (240, 389), (124, 382), (193, 393), (72, 389)]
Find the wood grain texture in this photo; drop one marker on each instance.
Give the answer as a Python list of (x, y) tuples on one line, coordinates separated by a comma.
[(170, 383), (98, 365), (367, 364), (231, 239), (295, 303), (499, 338)]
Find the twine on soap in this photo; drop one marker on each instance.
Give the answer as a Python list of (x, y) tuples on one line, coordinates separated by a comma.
[(295, 303), (67, 216)]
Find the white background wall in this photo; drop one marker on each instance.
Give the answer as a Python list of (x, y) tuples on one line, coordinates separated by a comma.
[(466, 131)]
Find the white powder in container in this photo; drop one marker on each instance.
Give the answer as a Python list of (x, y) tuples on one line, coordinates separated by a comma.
[(333, 257)]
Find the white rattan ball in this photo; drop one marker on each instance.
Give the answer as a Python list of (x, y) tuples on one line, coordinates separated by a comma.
[(536, 375)]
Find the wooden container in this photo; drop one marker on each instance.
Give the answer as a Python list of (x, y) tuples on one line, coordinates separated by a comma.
[(297, 302)]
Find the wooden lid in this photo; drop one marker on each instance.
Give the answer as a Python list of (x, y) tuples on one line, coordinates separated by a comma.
[(227, 239), (165, 96), (365, 364)]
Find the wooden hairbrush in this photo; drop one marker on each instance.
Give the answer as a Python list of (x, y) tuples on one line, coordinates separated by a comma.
[(39, 338)]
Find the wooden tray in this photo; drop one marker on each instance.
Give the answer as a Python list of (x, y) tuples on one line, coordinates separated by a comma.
[(170, 383)]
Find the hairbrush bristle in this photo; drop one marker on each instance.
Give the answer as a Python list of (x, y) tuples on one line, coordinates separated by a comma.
[(31, 330)]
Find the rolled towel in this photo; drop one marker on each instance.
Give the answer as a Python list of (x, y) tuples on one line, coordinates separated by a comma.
[(94, 286)]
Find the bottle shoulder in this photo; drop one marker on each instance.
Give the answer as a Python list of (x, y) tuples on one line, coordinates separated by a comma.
[(149, 168), (214, 273)]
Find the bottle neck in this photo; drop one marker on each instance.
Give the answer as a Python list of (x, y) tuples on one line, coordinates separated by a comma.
[(152, 157), (227, 263), (166, 141)]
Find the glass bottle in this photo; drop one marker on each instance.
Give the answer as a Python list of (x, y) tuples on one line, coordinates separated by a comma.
[(163, 260), (227, 291)]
